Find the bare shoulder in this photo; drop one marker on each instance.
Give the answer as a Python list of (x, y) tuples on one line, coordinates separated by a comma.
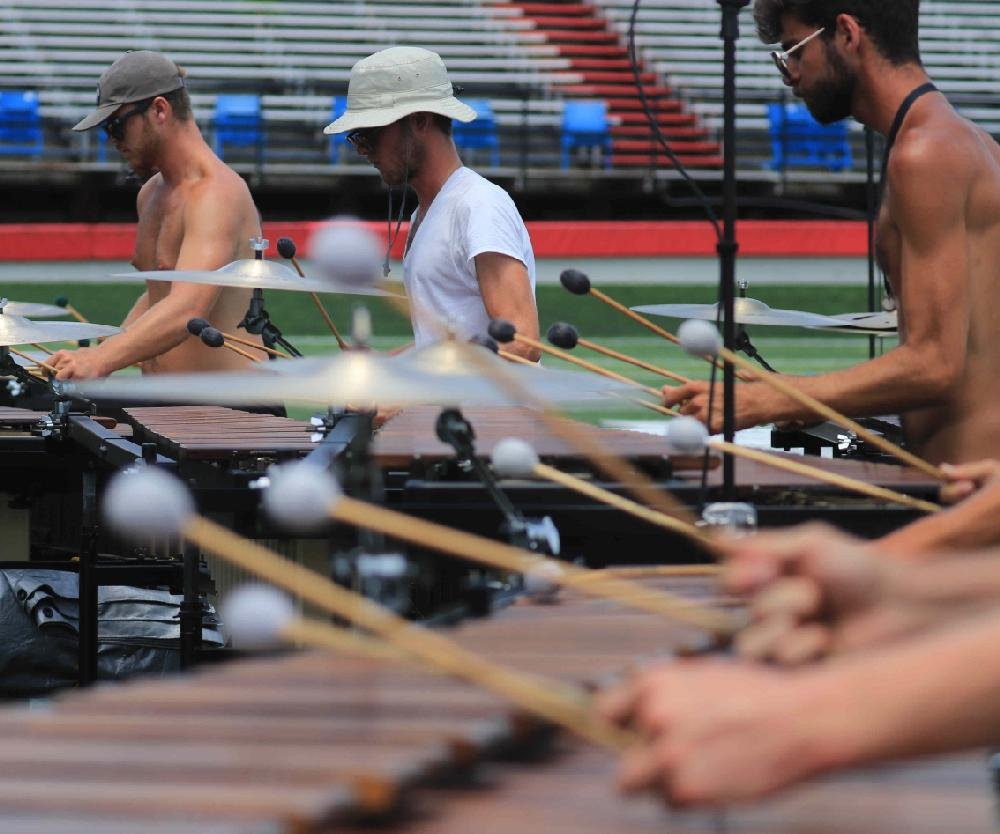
[(946, 149), (220, 189)]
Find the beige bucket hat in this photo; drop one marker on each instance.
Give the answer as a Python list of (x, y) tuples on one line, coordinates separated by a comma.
[(395, 82)]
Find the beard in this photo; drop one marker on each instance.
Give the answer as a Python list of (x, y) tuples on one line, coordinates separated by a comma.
[(831, 100)]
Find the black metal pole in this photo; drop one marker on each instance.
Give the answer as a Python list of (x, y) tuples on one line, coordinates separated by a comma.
[(191, 612), (88, 613), (728, 246), (872, 209)]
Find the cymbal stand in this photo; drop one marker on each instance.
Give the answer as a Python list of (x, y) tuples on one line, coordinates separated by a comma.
[(256, 319), (741, 339)]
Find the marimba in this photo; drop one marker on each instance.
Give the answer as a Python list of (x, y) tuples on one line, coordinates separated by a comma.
[(316, 742)]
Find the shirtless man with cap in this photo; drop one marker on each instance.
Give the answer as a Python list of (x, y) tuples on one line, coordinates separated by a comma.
[(195, 213), (938, 231), (468, 255)]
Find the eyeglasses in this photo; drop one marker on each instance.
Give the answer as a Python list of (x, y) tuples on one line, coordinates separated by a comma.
[(115, 128), (780, 58), (363, 140)]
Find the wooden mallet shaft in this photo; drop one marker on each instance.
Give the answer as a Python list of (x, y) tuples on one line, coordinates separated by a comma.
[(583, 363), (633, 508), (505, 557), (823, 476), (50, 368), (42, 348), (341, 343), (778, 383), (832, 478), (568, 706), (247, 343), (631, 360), (69, 308)]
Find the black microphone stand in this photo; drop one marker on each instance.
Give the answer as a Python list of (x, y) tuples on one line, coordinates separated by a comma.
[(728, 246)]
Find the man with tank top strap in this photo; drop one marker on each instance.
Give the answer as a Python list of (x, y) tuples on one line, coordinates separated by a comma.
[(938, 231), (468, 255)]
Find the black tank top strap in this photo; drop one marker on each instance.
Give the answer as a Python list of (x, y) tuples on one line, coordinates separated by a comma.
[(897, 123)]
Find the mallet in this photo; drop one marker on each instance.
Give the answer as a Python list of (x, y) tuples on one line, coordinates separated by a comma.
[(514, 458), (504, 332), (689, 436), (287, 250), (304, 496), (567, 337), (700, 338), (148, 502)]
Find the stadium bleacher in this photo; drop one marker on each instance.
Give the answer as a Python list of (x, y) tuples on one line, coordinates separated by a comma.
[(526, 59)]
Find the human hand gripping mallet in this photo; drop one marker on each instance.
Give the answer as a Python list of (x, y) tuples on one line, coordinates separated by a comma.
[(700, 338), (148, 502)]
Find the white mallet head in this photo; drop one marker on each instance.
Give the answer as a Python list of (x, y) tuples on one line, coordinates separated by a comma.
[(347, 252), (542, 581), (699, 338), (300, 495), (514, 458), (147, 502), (687, 435), (255, 615)]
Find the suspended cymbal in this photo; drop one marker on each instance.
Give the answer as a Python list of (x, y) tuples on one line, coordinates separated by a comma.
[(17, 330), (449, 358), (31, 310), (748, 311), (253, 274), (868, 324), (351, 378)]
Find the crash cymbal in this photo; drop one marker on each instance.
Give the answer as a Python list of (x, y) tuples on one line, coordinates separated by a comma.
[(17, 330), (253, 274), (748, 311), (354, 378), (449, 358), (31, 310), (869, 324)]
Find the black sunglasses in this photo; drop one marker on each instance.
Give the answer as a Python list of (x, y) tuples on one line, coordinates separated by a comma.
[(364, 139), (115, 128)]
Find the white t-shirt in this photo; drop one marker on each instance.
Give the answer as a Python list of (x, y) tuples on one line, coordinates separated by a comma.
[(469, 216)]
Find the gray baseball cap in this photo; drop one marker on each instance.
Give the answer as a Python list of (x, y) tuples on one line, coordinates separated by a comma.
[(135, 76)]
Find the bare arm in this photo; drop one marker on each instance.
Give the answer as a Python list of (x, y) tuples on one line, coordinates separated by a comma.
[(210, 229), (506, 290), (814, 591), (923, 370), (928, 696), (141, 306)]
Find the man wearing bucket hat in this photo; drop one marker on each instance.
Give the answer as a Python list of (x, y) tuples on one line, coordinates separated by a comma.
[(468, 256), (195, 213)]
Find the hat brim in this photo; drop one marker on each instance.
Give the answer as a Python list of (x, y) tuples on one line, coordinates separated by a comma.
[(381, 116), (97, 116)]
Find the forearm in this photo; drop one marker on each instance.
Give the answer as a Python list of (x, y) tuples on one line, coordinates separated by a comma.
[(931, 695), (139, 308), (895, 382), (971, 524), (161, 327)]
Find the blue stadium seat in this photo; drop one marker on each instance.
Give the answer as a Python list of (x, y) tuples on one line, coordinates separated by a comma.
[(238, 123), (338, 141), (799, 141), (20, 124), (585, 125), (480, 133)]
